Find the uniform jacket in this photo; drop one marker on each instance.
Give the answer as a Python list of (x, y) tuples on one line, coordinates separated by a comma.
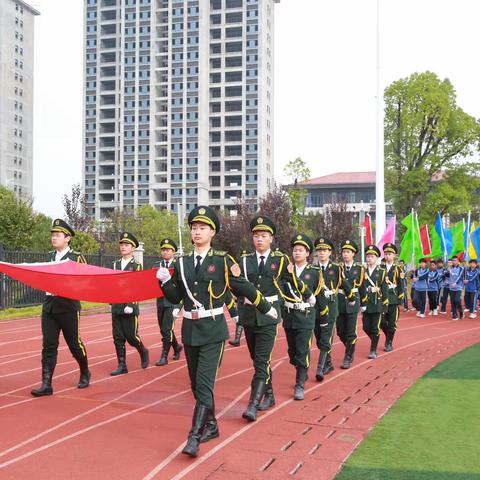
[(163, 301), (356, 279), (131, 266), (376, 296)]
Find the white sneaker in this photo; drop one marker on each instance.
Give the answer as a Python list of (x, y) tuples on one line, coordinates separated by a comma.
[(473, 315), (422, 315), (435, 312), (443, 313), (430, 312), (418, 314)]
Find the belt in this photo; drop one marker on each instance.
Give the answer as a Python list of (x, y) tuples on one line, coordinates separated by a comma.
[(297, 306), (271, 299), (354, 290), (202, 313), (392, 286)]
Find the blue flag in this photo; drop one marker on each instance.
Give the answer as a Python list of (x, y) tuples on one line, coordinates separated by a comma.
[(446, 238), (475, 239)]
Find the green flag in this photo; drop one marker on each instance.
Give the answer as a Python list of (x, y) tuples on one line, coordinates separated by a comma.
[(458, 237), (437, 251), (411, 245)]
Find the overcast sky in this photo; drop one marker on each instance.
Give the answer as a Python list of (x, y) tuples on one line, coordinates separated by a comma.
[(325, 79)]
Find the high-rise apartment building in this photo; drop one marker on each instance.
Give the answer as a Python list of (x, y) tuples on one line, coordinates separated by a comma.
[(16, 95), (178, 102)]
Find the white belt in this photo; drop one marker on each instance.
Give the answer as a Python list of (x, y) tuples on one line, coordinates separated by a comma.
[(354, 290), (329, 293), (271, 299), (202, 313), (297, 306), (392, 286)]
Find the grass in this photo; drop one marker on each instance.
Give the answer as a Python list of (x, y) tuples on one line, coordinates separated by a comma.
[(431, 433), (35, 311)]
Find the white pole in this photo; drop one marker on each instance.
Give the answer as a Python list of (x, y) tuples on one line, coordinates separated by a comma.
[(380, 220)]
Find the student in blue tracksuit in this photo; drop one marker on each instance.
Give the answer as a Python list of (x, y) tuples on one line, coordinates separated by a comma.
[(421, 287), (457, 273), (472, 283), (413, 294), (432, 288), (403, 267), (441, 280), (446, 287)]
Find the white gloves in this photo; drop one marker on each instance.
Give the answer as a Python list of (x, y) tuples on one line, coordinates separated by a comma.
[(272, 313), (312, 300), (175, 313), (163, 275), (128, 310), (235, 319), (352, 303), (363, 309)]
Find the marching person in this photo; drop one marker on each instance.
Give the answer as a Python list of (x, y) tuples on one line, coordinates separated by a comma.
[(403, 267), (432, 288), (234, 306), (348, 310), (299, 316), (61, 314), (125, 315), (472, 284), (420, 281), (167, 312), (267, 269), (457, 273), (201, 280), (394, 278), (375, 301), (446, 287), (332, 280)]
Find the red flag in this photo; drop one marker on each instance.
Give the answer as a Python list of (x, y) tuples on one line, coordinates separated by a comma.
[(80, 281), (367, 223), (425, 239)]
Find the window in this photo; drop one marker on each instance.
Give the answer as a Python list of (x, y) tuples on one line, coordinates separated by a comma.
[(233, 47), (234, 17), (233, 76)]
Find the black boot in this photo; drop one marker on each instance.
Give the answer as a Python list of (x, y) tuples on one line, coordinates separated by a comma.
[(389, 341), (349, 351), (144, 356), (85, 374), (268, 399), (122, 364), (200, 415), (300, 380), (328, 365), (46, 386), (211, 427), (373, 347), (256, 395), (163, 359), (238, 334), (177, 350), (321, 365)]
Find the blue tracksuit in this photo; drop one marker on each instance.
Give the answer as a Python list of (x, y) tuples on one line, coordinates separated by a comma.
[(432, 289), (456, 286), (421, 288), (471, 289)]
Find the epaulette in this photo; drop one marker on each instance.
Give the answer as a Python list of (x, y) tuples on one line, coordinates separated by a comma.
[(278, 253), (314, 267), (218, 253), (51, 252), (247, 254), (73, 252)]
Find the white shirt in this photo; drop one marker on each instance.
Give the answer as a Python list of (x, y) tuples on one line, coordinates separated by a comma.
[(265, 255), (370, 270), (60, 255), (125, 262), (348, 266), (324, 266), (165, 262), (299, 270), (203, 255), (389, 266)]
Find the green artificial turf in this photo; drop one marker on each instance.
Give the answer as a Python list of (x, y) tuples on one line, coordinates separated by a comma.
[(36, 311), (431, 433)]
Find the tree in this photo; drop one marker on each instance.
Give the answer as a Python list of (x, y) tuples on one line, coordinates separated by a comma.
[(40, 233), (427, 139), (75, 207), (84, 242), (297, 172)]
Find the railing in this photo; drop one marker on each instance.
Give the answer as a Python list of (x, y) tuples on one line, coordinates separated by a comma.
[(17, 294)]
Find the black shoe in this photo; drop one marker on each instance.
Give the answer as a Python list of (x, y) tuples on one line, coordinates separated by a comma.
[(177, 351), (46, 386), (200, 415), (122, 365), (349, 351), (144, 355), (300, 380), (163, 359), (268, 399), (373, 347), (238, 334), (320, 366), (256, 395), (210, 431), (328, 365), (85, 374)]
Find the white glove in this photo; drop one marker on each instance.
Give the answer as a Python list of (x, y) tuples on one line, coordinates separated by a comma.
[(363, 309), (163, 275), (272, 313), (128, 310), (235, 319), (352, 303), (312, 300), (175, 313)]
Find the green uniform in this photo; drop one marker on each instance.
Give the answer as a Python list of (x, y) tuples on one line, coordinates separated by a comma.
[(348, 313), (375, 299), (204, 328), (395, 299), (299, 318), (261, 330)]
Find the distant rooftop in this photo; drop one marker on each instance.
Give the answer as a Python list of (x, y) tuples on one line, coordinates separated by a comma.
[(349, 178), (28, 7)]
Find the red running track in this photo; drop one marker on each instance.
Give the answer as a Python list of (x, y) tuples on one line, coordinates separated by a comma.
[(133, 426)]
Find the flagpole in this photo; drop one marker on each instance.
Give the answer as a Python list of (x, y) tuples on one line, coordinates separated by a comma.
[(466, 254), (444, 243), (413, 238), (362, 232)]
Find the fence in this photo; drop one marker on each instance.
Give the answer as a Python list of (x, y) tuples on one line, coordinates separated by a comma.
[(17, 294)]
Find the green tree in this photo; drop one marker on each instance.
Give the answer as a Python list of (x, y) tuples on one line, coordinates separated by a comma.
[(85, 242), (297, 172), (40, 233), (428, 142)]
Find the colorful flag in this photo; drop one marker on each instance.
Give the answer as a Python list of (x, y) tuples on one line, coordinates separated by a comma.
[(458, 231), (367, 223), (389, 234), (475, 239), (441, 240), (425, 239), (411, 246)]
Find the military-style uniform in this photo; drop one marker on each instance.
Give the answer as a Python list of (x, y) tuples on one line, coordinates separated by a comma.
[(165, 310), (332, 280), (348, 309), (299, 318), (201, 282), (261, 330), (125, 316), (375, 301), (396, 296), (61, 314)]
